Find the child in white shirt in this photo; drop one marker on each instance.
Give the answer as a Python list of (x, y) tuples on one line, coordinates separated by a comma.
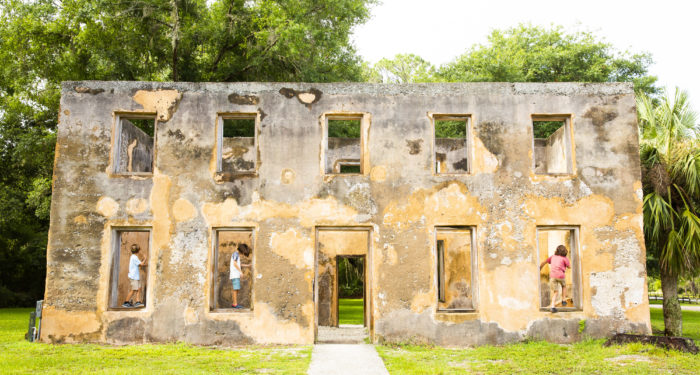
[(235, 272), (135, 277)]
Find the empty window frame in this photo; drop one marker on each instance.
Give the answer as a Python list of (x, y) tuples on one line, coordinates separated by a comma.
[(129, 275), (343, 144), (552, 146), (237, 143), (451, 146), (548, 239), (456, 259), (232, 246), (134, 146)]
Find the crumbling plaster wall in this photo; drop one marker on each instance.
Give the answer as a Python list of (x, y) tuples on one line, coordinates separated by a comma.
[(399, 196)]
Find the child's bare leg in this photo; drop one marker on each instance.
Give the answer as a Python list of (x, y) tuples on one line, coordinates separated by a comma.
[(563, 295), (235, 297), (128, 296), (555, 295)]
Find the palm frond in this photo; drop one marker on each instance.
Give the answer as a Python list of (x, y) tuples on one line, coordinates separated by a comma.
[(689, 231), (682, 249), (670, 157), (646, 118), (658, 218), (672, 258), (685, 170)]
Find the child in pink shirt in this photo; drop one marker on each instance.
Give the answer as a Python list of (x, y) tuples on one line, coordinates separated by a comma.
[(558, 263)]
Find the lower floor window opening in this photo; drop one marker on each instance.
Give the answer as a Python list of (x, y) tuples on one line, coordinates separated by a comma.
[(455, 259), (559, 264), (129, 276), (233, 270)]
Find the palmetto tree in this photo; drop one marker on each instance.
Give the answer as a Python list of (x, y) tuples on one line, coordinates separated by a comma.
[(670, 156)]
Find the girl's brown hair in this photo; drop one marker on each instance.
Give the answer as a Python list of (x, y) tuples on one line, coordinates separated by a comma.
[(244, 248), (561, 251), (135, 248)]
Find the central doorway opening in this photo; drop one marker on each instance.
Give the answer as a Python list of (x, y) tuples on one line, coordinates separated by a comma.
[(342, 285), (351, 290)]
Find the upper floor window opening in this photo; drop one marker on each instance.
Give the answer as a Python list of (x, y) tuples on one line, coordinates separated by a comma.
[(344, 143), (451, 146), (552, 145), (237, 143), (134, 145)]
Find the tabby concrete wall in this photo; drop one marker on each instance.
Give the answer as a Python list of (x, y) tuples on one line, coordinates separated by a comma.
[(398, 197)]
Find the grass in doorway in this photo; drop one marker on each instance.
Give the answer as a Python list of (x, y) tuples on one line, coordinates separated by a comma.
[(350, 311)]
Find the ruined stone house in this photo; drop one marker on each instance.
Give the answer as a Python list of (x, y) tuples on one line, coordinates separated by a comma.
[(451, 193)]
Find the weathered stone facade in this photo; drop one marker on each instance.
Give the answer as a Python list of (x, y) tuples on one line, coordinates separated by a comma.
[(297, 216)]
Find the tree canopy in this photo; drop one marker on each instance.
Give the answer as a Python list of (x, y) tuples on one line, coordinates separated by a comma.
[(403, 68), (527, 53)]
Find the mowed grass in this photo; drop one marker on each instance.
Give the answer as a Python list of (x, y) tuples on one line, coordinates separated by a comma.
[(18, 356), (586, 357), (350, 311), (660, 302), (691, 323)]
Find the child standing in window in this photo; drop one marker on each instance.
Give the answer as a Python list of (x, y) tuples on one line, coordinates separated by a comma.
[(135, 277), (558, 263), (235, 272)]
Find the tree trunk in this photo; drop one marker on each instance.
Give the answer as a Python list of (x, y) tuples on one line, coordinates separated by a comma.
[(673, 320), (175, 39)]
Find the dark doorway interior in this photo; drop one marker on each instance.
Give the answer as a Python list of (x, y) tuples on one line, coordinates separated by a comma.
[(351, 290)]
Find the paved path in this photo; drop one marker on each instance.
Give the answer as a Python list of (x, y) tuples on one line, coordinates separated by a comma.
[(683, 308), (344, 334), (339, 359)]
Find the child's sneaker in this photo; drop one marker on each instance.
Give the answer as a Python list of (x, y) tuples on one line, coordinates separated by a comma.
[(563, 303), (238, 307), (234, 306), (554, 309), (127, 304), (138, 304)]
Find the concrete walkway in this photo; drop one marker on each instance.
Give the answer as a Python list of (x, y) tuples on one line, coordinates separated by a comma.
[(339, 359), (683, 308), (344, 334)]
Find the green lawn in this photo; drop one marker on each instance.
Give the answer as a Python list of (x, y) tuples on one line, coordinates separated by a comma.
[(660, 302), (20, 357), (587, 357), (691, 323), (350, 311)]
